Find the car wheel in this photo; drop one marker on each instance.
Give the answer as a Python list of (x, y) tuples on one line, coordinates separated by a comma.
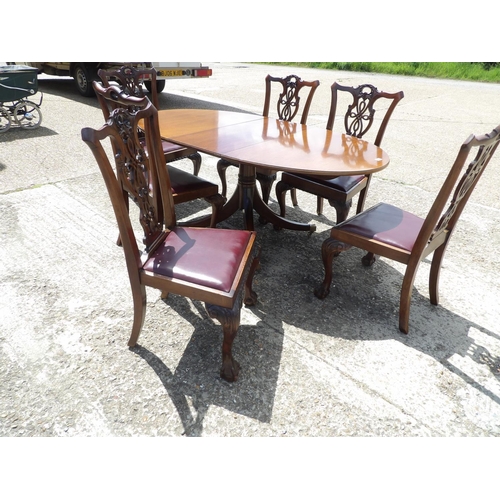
[(160, 85), (83, 78)]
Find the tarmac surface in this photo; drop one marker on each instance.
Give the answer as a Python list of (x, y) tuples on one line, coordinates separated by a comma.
[(338, 367)]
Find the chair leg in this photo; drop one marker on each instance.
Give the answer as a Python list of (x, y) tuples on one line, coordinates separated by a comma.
[(266, 184), (196, 159), (329, 250), (342, 209), (319, 205), (293, 196), (126, 199), (405, 299), (230, 321), (217, 201), (250, 298), (362, 196), (281, 189), (435, 271), (139, 298), (368, 260), (221, 169)]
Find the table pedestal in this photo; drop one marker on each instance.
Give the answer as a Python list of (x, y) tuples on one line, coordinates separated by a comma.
[(247, 198)]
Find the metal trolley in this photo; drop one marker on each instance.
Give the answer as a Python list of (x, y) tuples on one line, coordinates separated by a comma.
[(16, 84)]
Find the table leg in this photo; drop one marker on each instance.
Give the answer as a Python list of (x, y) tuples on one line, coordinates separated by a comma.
[(247, 191), (251, 200), (247, 198), (277, 221)]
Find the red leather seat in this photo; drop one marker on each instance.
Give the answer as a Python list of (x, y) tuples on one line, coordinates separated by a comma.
[(206, 258), (386, 224)]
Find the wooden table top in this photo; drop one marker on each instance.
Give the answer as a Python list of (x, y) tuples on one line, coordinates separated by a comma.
[(270, 143)]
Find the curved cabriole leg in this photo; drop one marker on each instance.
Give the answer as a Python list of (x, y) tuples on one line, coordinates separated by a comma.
[(221, 169), (196, 159), (217, 201), (342, 209), (368, 259), (281, 189), (266, 184), (230, 321), (139, 298), (331, 248), (250, 296)]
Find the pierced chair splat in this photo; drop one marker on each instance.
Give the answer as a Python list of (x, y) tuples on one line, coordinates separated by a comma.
[(212, 265), (287, 107), (396, 234), (358, 120), (130, 81), (185, 186)]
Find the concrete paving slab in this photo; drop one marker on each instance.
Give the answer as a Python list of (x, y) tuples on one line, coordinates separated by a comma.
[(310, 368)]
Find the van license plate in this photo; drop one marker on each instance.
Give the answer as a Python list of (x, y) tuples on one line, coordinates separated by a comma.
[(170, 72)]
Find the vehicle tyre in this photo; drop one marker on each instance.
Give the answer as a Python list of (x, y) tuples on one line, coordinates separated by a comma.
[(5, 121), (83, 76), (27, 114), (160, 85)]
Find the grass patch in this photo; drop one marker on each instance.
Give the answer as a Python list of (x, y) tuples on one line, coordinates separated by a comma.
[(474, 71)]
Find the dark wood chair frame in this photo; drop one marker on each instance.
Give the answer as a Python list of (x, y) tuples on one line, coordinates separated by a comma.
[(358, 120), (398, 235), (185, 186), (212, 265), (131, 81), (287, 106)]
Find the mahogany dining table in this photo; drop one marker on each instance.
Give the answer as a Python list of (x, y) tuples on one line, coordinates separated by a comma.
[(250, 141)]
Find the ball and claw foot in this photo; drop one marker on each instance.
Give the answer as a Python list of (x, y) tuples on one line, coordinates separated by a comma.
[(322, 291), (251, 299), (230, 369), (368, 259)]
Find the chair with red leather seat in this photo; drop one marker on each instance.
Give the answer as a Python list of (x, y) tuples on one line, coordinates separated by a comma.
[(358, 120), (396, 234), (212, 265), (131, 82)]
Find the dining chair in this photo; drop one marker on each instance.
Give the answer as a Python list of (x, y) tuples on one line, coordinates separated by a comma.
[(358, 120), (212, 265), (396, 234), (287, 107), (185, 186), (131, 82)]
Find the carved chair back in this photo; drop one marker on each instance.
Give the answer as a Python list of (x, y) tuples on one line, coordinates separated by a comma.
[(130, 81), (288, 103), (136, 172), (461, 181), (360, 114)]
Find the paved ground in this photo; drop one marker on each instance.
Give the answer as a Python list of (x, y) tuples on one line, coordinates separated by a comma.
[(338, 367)]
